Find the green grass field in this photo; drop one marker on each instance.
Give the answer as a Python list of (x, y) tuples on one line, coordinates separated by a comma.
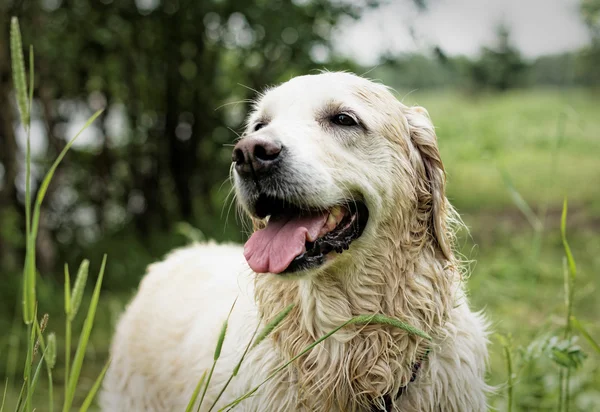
[(545, 146), (533, 146)]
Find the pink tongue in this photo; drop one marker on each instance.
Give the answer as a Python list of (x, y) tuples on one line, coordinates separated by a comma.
[(273, 248)]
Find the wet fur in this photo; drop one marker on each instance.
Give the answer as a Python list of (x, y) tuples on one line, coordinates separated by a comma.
[(403, 266)]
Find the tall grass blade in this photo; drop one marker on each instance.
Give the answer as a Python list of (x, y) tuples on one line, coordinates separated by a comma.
[(20, 86), (563, 234), (194, 398), (567, 288), (46, 182), (4, 395), (217, 353), (83, 341), (282, 367), (273, 324), (361, 319), (29, 290), (386, 320), (569, 277), (236, 369), (50, 357), (18, 70), (30, 357), (29, 282), (219, 346), (67, 291), (92, 393), (67, 288), (504, 341), (520, 202), (31, 77), (34, 382), (29, 267), (577, 325), (20, 398)]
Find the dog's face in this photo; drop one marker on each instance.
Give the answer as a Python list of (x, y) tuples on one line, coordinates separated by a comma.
[(326, 160)]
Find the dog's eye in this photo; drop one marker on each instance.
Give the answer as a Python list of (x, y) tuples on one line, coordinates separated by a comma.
[(343, 119), (259, 126)]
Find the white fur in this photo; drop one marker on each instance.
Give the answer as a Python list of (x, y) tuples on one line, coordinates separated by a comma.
[(402, 266)]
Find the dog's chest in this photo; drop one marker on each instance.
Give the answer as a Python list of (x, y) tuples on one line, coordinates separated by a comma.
[(332, 378)]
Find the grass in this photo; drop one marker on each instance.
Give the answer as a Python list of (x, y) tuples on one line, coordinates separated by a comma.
[(35, 345), (511, 160), (518, 131)]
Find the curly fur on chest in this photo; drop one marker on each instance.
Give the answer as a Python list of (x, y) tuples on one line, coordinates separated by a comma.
[(359, 365)]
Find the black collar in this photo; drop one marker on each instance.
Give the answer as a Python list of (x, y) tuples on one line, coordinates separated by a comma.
[(387, 399)]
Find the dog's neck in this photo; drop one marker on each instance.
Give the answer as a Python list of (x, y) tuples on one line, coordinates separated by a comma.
[(398, 278)]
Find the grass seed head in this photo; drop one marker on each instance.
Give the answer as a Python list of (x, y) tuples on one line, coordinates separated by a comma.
[(51, 350), (78, 288)]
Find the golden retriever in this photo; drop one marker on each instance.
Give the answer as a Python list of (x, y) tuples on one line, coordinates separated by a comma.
[(348, 186)]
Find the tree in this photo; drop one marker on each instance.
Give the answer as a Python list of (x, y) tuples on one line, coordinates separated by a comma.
[(501, 67), (590, 56), (168, 73)]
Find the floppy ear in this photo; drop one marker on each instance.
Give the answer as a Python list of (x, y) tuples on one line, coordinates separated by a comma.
[(431, 187)]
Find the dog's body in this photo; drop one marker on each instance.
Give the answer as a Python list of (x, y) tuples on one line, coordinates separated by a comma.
[(326, 139)]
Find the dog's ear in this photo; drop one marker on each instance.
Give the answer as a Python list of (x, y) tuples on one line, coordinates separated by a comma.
[(431, 188)]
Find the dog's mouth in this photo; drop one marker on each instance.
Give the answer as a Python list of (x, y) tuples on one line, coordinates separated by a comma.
[(297, 239)]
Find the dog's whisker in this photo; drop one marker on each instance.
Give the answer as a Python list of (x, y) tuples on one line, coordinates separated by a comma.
[(229, 198), (236, 133), (235, 103), (250, 88)]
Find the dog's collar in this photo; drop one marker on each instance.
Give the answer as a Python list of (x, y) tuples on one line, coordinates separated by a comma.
[(387, 399)]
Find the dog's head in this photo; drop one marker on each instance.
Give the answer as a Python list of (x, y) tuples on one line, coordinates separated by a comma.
[(325, 161)]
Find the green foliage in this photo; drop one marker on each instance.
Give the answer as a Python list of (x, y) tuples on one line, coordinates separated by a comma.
[(36, 330), (18, 69), (506, 343), (73, 378), (590, 11), (565, 353), (499, 68), (577, 325)]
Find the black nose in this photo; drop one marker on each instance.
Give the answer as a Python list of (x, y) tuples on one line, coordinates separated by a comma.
[(254, 156)]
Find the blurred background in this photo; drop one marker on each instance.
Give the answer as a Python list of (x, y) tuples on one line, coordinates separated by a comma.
[(513, 88)]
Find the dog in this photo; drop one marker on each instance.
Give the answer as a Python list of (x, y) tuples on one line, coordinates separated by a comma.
[(346, 188)]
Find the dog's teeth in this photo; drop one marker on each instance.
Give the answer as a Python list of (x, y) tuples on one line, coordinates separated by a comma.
[(338, 214), (331, 222), (329, 225)]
